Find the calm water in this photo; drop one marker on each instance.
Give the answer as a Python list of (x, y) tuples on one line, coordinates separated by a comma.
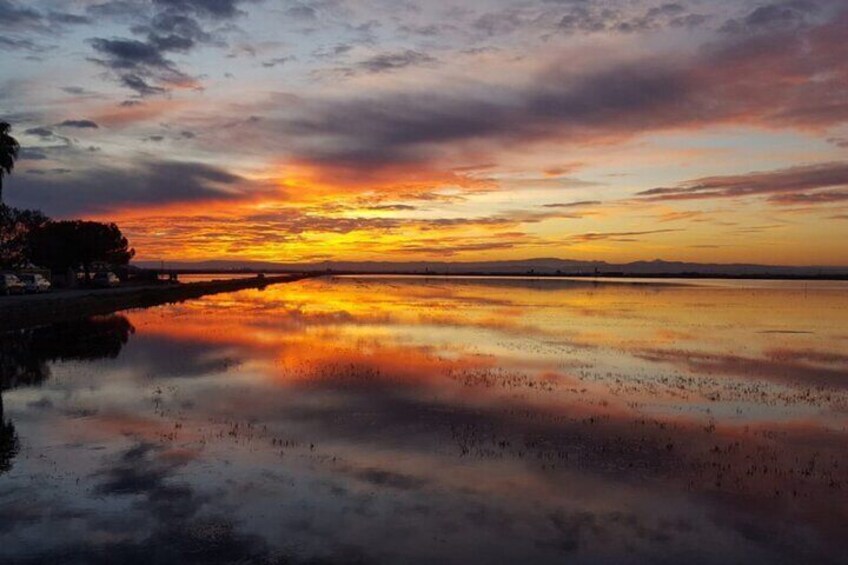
[(411, 420)]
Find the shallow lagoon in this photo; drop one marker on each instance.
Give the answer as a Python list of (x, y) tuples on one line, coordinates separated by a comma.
[(432, 420)]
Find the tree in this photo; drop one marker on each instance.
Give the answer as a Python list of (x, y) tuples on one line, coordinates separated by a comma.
[(71, 244), (16, 228), (9, 148)]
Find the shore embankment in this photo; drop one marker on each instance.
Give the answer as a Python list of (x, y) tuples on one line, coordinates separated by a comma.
[(18, 312)]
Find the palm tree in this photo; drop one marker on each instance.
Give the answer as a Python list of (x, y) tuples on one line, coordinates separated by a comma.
[(9, 147)]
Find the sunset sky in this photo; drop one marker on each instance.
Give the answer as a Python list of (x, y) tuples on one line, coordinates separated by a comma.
[(696, 130)]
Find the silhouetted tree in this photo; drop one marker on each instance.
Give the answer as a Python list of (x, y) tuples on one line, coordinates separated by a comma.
[(16, 227), (9, 148), (76, 243)]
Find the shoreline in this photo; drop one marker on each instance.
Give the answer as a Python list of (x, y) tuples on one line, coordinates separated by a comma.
[(23, 312), (525, 274)]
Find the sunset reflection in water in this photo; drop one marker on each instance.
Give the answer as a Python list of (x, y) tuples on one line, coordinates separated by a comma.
[(436, 420)]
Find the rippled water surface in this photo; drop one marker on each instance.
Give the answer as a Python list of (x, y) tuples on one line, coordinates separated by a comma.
[(413, 420)]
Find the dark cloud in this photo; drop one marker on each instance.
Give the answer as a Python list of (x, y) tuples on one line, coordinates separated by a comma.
[(13, 15), (119, 10), (826, 197), (76, 90), (576, 204), (332, 51), (13, 43), (783, 185), (31, 154), (500, 23), (40, 132), (67, 18), (396, 127), (620, 237), (19, 17), (150, 183), (129, 54), (392, 207), (83, 124), (669, 9), (591, 18), (143, 65), (776, 80), (788, 15), (386, 62), (171, 31), (839, 141), (138, 65), (302, 11), (53, 171), (141, 86), (208, 8), (278, 61)]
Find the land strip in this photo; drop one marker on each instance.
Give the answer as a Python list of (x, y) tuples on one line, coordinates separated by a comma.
[(18, 312)]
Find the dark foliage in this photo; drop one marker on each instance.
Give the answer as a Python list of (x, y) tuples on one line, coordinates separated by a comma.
[(9, 148), (70, 244), (15, 229)]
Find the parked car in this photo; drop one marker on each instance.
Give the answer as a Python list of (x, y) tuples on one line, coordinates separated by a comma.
[(105, 279), (34, 283), (10, 284)]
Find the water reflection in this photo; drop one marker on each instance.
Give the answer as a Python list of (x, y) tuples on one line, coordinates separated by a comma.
[(25, 356), (424, 420)]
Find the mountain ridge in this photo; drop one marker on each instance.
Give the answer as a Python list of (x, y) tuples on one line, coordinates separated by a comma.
[(537, 266)]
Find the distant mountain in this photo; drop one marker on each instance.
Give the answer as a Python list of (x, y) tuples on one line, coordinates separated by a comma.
[(542, 266)]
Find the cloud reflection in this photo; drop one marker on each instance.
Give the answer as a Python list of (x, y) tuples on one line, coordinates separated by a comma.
[(363, 418)]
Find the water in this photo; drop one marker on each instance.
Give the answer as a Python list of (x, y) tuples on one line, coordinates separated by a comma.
[(414, 420)]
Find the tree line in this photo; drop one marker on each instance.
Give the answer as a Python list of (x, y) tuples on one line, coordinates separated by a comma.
[(28, 237)]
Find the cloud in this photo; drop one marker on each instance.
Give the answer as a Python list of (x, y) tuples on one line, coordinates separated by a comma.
[(104, 188), (620, 237), (386, 62), (841, 142), (827, 197), (270, 63), (171, 31), (31, 154), (82, 124), (141, 86), (41, 132), (222, 9), (118, 10), (11, 43), (577, 204), (776, 80), (136, 62), (20, 18), (392, 207), (782, 186), (14, 16), (129, 54), (789, 15), (594, 18), (301, 11), (143, 65)]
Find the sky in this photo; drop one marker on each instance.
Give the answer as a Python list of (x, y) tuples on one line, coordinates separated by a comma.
[(277, 130)]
